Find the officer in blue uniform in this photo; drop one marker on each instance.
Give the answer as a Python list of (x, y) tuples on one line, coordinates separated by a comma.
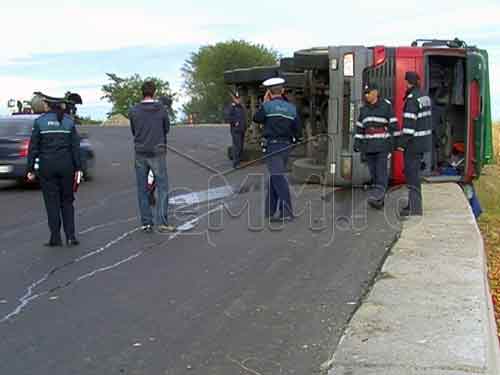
[(281, 128), (55, 142), (416, 139), (373, 137), (236, 117)]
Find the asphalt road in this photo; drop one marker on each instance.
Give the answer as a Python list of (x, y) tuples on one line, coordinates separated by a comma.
[(230, 294)]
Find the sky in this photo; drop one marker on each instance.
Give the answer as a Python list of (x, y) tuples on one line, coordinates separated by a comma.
[(56, 46)]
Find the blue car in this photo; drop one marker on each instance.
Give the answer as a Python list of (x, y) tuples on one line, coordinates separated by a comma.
[(15, 135)]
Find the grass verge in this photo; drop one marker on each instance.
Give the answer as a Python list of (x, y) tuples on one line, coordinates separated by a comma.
[(488, 189)]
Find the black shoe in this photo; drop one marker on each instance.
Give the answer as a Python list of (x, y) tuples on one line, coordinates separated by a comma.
[(147, 228), (405, 212), (72, 242), (52, 243), (376, 204)]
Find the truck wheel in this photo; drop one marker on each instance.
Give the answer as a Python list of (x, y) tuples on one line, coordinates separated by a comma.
[(297, 80), (255, 74), (287, 64), (312, 59), (306, 171)]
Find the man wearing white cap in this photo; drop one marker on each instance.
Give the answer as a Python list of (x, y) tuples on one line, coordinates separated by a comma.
[(281, 128)]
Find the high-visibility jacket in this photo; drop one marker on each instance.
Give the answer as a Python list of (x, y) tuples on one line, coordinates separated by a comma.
[(416, 134), (375, 127)]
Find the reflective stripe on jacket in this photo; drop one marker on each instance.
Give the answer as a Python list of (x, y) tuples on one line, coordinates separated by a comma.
[(416, 135), (375, 127)]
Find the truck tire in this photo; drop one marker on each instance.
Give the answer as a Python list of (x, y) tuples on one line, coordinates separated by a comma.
[(312, 59), (297, 80), (248, 75), (306, 171), (287, 64)]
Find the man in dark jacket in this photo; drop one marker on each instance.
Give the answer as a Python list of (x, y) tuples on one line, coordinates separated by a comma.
[(150, 125), (374, 132), (416, 139), (236, 117)]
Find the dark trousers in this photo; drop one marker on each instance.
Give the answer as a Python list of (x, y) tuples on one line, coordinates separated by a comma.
[(377, 164), (56, 181), (238, 141), (412, 174), (158, 164), (278, 190)]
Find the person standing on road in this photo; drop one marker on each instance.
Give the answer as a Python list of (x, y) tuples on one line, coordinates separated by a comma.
[(56, 145), (416, 139), (235, 115), (281, 127), (373, 137), (150, 125)]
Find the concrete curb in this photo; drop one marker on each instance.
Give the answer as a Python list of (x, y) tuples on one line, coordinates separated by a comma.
[(430, 311)]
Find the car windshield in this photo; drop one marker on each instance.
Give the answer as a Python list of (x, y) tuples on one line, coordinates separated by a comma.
[(15, 127)]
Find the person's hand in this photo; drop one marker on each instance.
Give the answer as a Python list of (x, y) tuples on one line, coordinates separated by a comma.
[(30, 176), (400, 149), (236, 124), (267, 96), (78, 176)]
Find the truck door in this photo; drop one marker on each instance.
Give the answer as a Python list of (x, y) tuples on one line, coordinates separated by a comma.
[(347, 64), (479, 132)]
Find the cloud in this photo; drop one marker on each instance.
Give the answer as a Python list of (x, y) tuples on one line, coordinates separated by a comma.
[(70, 29), (63, 36)]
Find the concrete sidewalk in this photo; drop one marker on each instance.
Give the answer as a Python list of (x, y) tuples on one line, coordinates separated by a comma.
[(430, 310)]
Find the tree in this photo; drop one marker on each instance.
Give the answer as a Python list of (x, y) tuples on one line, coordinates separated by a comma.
[(123, 93), (203, 75)]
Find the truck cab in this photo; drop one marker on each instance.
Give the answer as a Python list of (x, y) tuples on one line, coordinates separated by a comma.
[(326, 85)]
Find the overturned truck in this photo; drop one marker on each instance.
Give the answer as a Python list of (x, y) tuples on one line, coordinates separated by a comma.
[(326, 86)]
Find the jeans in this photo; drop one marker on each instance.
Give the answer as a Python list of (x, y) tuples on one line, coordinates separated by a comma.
[(158, 165)]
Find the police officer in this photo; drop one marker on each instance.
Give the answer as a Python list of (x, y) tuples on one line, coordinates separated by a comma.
[(236, 117), (373, 136), (416, 139), (55, 142), (281, 128)]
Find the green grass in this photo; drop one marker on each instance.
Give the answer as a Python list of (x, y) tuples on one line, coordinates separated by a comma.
[(488, 190)]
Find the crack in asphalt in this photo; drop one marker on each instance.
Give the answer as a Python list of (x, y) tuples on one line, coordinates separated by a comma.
[(105, 225), (29, 296)]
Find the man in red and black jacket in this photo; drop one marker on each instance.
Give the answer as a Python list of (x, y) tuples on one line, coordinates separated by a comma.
[(374, 137), (416, 138)]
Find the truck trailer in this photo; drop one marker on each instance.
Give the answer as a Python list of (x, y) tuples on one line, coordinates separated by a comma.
[(326, 84)]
